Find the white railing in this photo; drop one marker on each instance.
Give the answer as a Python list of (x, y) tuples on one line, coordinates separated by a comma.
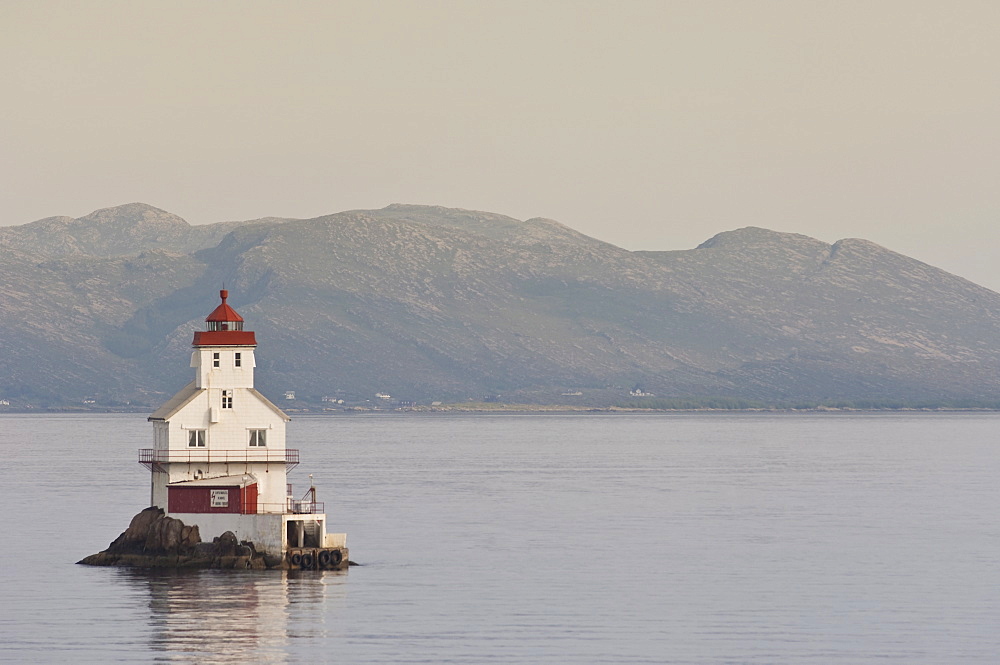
[(151, 457)]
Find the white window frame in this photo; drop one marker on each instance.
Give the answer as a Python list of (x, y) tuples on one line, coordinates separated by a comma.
[(258, 438), (197, 438)]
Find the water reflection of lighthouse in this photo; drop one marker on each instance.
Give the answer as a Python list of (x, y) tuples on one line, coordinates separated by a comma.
[(222, 617)]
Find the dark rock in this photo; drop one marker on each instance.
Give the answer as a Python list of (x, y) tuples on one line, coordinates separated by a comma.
[(133, 539), (227, 544), (249, 549), (272, 561), (153, 540), (164, 535), (234, 562)]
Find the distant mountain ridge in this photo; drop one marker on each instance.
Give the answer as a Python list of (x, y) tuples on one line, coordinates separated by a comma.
[(428, 303)]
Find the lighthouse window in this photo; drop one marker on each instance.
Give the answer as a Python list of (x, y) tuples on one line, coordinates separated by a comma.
[(215, 360), (238, 361), (258, 437), (227, 399), (196, 438)]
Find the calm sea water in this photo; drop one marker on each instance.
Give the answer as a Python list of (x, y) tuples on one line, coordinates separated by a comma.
[(538, 539)]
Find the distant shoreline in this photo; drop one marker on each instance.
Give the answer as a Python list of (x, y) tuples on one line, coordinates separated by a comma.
[(524, 409)]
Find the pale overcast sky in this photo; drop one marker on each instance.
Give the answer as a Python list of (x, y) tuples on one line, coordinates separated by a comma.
[(650, 125)]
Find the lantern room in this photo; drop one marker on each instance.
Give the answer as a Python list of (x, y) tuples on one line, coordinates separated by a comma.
[(224, 327)]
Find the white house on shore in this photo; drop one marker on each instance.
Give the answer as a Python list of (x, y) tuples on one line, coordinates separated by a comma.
[(219, 458)]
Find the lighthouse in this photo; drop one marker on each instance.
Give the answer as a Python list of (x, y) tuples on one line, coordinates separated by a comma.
[(219, 459)]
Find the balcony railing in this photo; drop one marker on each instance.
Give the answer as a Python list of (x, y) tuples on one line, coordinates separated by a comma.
[(290, 507), (153, 458), (293, 506)]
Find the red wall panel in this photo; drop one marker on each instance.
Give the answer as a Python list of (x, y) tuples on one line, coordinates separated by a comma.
[(199, 500), (249, 497)]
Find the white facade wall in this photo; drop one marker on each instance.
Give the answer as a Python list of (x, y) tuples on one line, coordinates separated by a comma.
[(264, 530), (227, 449), (227, 374)]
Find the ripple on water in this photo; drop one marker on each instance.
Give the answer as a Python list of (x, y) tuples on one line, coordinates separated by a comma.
[(525, 539)]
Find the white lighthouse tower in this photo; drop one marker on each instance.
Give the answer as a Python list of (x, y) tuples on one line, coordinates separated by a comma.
[(219, 458)]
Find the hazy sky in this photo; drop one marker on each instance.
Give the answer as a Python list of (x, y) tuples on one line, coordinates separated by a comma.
[(651, 125)]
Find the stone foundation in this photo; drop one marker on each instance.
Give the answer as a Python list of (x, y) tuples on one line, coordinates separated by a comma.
[(153, 540)]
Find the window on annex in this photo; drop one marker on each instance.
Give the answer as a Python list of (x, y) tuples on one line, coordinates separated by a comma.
[(196, 438), (258, 437), (227, 399), (215, 360), (238, 360)]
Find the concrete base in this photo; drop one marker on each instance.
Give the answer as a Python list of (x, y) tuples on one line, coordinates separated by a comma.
[(271, 533)]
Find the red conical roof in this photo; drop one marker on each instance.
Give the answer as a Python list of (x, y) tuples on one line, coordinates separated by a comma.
[(224, 312), (225, 328)]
